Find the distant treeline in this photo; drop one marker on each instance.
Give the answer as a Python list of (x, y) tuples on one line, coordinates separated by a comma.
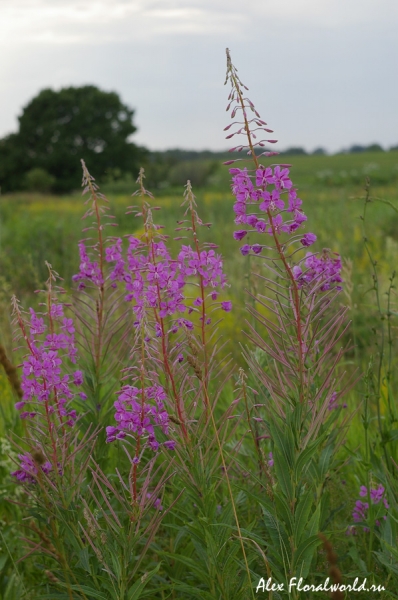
[(57, 129), (175, 166), (178, 155)]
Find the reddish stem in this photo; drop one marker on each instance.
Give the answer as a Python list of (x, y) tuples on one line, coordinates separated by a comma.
[(202, 292), (100, 304), (296, 297), (159, 320), (50, 319)]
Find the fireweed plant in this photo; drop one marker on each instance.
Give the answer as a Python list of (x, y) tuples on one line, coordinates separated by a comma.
[(163, 413), (301, 382), (150, 465)]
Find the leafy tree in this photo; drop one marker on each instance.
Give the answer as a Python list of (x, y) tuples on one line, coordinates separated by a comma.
[(14, 163), (197, 171), (38, 180), (356, 148), (294, 151), (57, 129), (375, 148), (319, 151)]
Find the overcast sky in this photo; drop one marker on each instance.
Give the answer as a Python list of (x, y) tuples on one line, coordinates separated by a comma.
[(320, 72)]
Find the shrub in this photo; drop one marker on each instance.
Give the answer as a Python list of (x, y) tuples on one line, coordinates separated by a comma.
[(39, 180)]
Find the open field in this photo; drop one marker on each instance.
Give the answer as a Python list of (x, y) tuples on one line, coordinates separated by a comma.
[(36, 228)]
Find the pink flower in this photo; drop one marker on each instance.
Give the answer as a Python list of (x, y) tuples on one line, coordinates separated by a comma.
[(282, 178), (240, 234), (308, 239), (227, 305), (264, 177)]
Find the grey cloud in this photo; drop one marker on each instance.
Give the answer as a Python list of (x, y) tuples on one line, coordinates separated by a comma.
[(316, 77)]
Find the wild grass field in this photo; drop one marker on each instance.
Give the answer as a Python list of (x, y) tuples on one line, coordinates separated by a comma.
[(39, 228), (36, 228)]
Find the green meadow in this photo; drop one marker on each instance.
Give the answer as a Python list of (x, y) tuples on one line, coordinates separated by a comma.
[(37, 228)]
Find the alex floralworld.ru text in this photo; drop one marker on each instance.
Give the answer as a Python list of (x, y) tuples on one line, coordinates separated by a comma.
[(326, 586)]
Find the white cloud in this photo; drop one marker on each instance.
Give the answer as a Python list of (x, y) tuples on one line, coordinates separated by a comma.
[(80, 21), (318, 70), (332, 13), (93, 21)]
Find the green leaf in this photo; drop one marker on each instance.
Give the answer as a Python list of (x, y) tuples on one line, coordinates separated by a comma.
[(117, 567), (88, 591), (182, 532), (278, 535), (353, 552), (385, 559), (262, 500), (393, 435), (283, 442), (84, 560), (301, 516), (295, 418), (192, 564), (325, 521), (324, 460), (54, 596), (313, 524), (201, 550), (304, 458), (283, 474), (375, 461), (391, 549), (3, 560), (303, 556), (135, 592), (284, 512), (388, 533), (193, 592)]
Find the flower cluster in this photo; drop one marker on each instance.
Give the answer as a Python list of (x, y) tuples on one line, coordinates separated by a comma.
[(157, 503), (139, 411), (153, 279), (88, 269), (266, 200), (42, 379), (263, 209), (333, 404), (27, 473), (323, 270), (207, 263), (360, 512)]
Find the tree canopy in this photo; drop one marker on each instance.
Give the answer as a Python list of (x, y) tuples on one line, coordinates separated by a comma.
[(57, 129)]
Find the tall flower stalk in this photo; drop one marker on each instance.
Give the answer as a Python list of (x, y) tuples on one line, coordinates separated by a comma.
[(94, 271), (47, 392), (301, 380), (166, 304), (102, 322), (264, 199)]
